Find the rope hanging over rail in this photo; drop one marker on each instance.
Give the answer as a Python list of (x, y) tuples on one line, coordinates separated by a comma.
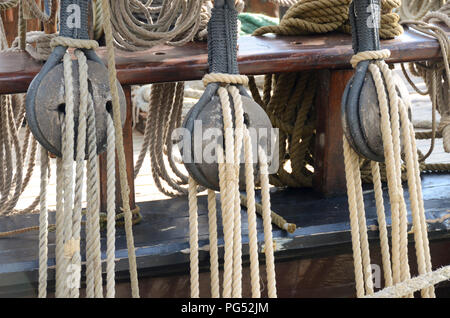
[(436, 74)]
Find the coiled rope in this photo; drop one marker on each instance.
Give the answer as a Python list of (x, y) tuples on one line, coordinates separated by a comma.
[(417, 9), (436, 74)]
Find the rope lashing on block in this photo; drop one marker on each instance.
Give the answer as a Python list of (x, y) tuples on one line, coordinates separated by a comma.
[(226, 107), (398, 139)]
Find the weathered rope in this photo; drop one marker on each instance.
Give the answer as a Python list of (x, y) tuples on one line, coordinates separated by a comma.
[(120, 149), (213, 249), (111, 210), (320, 16), (193, 239), (138, 25), (421, 282), (43, 226)]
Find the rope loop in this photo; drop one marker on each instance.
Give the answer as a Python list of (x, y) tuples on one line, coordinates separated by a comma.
[(75, 43), (369, 55), (225, 78)]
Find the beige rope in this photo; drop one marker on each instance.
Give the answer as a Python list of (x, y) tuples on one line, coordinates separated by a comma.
[(120, 149), (226, 176), (417, 9), (111, 210), (193, 238), (93, 253), (43, 226), (382, 227), (237, 234), (349, 158), (268, 242), (421, 282), (251, 215), (213, 250), (67, 162), (174, 22), (59, 249)]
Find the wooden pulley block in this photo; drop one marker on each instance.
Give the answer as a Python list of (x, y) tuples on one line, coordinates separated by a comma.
[(46, 96), (47, 118), (204, 124), (361, 117)]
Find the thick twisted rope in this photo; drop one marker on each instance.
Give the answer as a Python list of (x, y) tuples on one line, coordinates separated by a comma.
[(67, 160), (120, 149), (421, 282), (193, 239), (43, 226), (321, 16), (213, 249), (111, 210)]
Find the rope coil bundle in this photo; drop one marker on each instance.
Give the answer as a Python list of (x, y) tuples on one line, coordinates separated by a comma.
[(320, 16), (436, 74), (417, 9)]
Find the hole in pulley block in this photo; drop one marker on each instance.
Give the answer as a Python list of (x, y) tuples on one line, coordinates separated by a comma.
[(109, 107), (246, 119), (62, 108)]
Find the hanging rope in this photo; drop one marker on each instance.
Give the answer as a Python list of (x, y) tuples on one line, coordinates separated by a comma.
[(236, 137), (436, 74), (138, 25), (120, 149)]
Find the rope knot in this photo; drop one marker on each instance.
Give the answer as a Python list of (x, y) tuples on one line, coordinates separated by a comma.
[(225, 78), (75, 43), (369, 55)]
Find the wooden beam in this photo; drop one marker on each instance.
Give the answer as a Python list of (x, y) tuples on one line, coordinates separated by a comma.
[(257, 55), (329, 176)]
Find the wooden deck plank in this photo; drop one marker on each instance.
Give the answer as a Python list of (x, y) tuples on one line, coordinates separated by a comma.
[(162, 238)]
